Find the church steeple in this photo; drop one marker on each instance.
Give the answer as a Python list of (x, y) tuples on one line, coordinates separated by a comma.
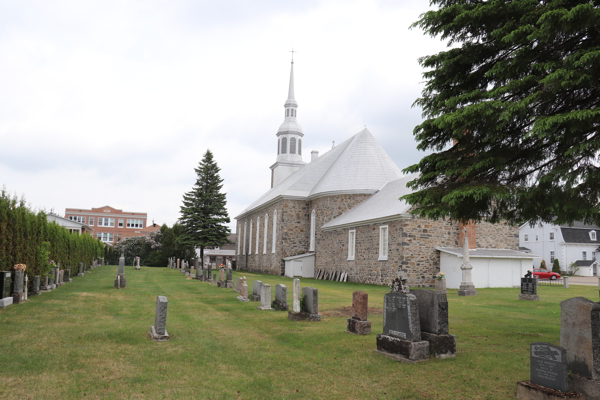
[(289, 139)]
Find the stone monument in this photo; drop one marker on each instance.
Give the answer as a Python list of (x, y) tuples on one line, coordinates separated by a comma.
[(18, 278), (35, 289), (210, 274), (137, 263), (198, 269), (309, 306), (256, 290), (433, 320), (81, 271), (265, 297), (466, 286), (6, 289), (120, 281), (401, 338), (158, 331), (529, 288), (68, 275), (280, 302), (358, 324), (243, 290), (51, 283), (238, 283), (580, 336), (229, 278)]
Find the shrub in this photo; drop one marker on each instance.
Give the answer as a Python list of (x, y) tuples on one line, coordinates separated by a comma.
[(556, 266), (543, 264)]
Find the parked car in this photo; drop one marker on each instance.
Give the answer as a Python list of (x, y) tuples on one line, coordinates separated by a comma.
[(545, 274)]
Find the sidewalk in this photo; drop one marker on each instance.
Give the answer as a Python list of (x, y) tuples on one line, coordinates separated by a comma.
[(583, 280)]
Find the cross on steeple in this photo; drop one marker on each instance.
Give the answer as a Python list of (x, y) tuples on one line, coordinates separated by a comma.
[(292, 51)]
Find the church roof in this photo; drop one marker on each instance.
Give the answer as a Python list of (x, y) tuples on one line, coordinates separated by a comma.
[(358, 165), (382, 206)]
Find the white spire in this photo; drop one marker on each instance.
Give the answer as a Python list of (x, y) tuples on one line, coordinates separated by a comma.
[(291, 101)]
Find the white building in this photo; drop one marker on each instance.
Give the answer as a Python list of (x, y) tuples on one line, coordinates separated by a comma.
[(70, 225), (577, 243)]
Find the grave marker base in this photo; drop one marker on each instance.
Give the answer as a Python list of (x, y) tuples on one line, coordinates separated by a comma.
[(589, 388), (187, 274), (52, 287), (255, 297), (467, 290), (280, 306), (120, 282), (5, 302), (229, 284), (529, 391), (156, 337), (266, 308), (241, 298), (18, 298), (302, 316), (359, 327), (440, 346), (81, 274), (403, 350), (529, 297)]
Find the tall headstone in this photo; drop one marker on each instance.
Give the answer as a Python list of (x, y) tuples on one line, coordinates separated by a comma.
[(243, 292), (466, 286), (296, 296), (222, 275), (26, 287), (158, 331), (178, 263), (57, 277), (529, 288), (198, 269), (359, 324), (18, 294), (35, 289), (401, 338), (256, 290), (120, 281), (265, 297), (6, 289), (81, 271), (580, 336), (238, 283), (280, 302), (137, 263), (68, 275), (210, 274), (51, 283), (433, 320), (229, 278), (309, 307)]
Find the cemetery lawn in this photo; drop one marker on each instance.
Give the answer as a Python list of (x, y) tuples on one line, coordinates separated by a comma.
[(89, 340)]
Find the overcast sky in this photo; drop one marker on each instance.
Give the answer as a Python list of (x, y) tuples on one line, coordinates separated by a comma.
[(115, 102)]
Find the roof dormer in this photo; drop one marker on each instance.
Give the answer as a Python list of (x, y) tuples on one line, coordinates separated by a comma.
[(593, 235)]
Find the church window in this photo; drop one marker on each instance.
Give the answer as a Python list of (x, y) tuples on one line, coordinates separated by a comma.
[(293, 113), (257, 233), (278, 145), (239, 241), (313, 224), (283, 145), (274, 231), (287, 112), (266, 230), (293, 146), (351, 244), (250, 241), (244, 246), (299, 147), (383, 242), (593, 235)]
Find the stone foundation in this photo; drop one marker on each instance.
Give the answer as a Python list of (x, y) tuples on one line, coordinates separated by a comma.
[(156, 337), (359, 327), (589, 388), (18, 298), (529, 297), (530, 391), (280, 306), (255, 297), (303, 316), (440, 346), (5, 302), (401, 349), (467, 290)]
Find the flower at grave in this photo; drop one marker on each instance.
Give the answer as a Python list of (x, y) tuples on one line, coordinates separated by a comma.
[(52, 263), (20, 267), (439, 276)]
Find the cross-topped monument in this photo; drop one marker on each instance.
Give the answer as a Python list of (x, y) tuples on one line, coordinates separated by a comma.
[(292, 51), (466, 286)]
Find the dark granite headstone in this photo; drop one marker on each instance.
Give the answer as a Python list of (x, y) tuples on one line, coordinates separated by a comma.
[(433, 311), (528, 286), (549, 366), (6, 284), (210, 274), (401, 316), (229, 274), (18, 277), (36, 286)]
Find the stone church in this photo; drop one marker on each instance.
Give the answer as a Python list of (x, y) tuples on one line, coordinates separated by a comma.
[(340, 212)]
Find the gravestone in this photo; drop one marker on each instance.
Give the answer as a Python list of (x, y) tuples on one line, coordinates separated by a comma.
[(158, 331), (62, 276), (401, 338), (433, 320), (310, 306), (256, 290), (18, 278), (549, 366), (205, 275), (229, 278), (358, 324), (35, 289), (137, 263), (210, 274), (222, 276), (580, 336), (6, 284), (243, 291), (81, 271), (68, 275), (26, 286), (198, 269), (529, 288), (296, 296), (265, 297), (120, 281), (238, 283), (45, 285), (280, 302)]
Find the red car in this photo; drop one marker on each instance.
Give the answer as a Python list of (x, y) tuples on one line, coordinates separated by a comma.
[(545, 274)]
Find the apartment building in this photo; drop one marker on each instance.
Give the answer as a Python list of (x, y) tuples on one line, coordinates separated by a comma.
[(110, 224)]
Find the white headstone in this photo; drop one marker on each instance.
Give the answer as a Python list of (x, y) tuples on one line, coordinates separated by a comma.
[(296, 295)]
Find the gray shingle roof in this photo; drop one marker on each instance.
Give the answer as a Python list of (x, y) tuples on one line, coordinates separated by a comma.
[(358, 165), (584, 263), (579, 235), (487, 253)]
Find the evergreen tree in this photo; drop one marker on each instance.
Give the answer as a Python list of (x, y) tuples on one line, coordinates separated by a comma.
[(203, 213), (556, 266), (518, 96)]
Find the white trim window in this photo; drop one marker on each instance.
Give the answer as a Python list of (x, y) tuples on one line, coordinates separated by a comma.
[(593, 235), (91, 221), (584, 255), (257, 234), (244, 246), (351, 244), (551, 257), (313, 224), (266, 233), (104, 221), (77, 218), (551, 236), (526, 238), (383, 243), (250, 241), (135, 223), (239, 242), (105, 237), (274, 244), (121, 222)]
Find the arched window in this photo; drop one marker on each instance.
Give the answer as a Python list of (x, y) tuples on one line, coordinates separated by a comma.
[(239, 228), (250, 240), (283, 145), (313, 224), (257, 233), (293, 145), (278, 145), (244, 246), (287, 112), (299, 147), (274, 231), (266, 231)]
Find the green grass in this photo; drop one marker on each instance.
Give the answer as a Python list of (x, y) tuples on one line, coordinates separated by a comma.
[(89, 340)]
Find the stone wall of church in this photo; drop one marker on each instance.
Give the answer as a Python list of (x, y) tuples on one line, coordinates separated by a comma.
[(497, 236), (330, 207), (295, 228)]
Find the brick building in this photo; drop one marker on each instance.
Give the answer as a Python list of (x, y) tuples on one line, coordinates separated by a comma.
[(340, 212), (110, 224)]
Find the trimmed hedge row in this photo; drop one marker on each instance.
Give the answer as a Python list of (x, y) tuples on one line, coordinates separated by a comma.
[(22, 237)]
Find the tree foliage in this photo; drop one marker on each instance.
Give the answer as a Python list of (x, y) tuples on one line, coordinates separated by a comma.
[(519, 97), (556, 266), (204, 212)]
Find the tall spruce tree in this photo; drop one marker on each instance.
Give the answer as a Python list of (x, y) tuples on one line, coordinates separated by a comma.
[(518, 96), (203, 213)]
